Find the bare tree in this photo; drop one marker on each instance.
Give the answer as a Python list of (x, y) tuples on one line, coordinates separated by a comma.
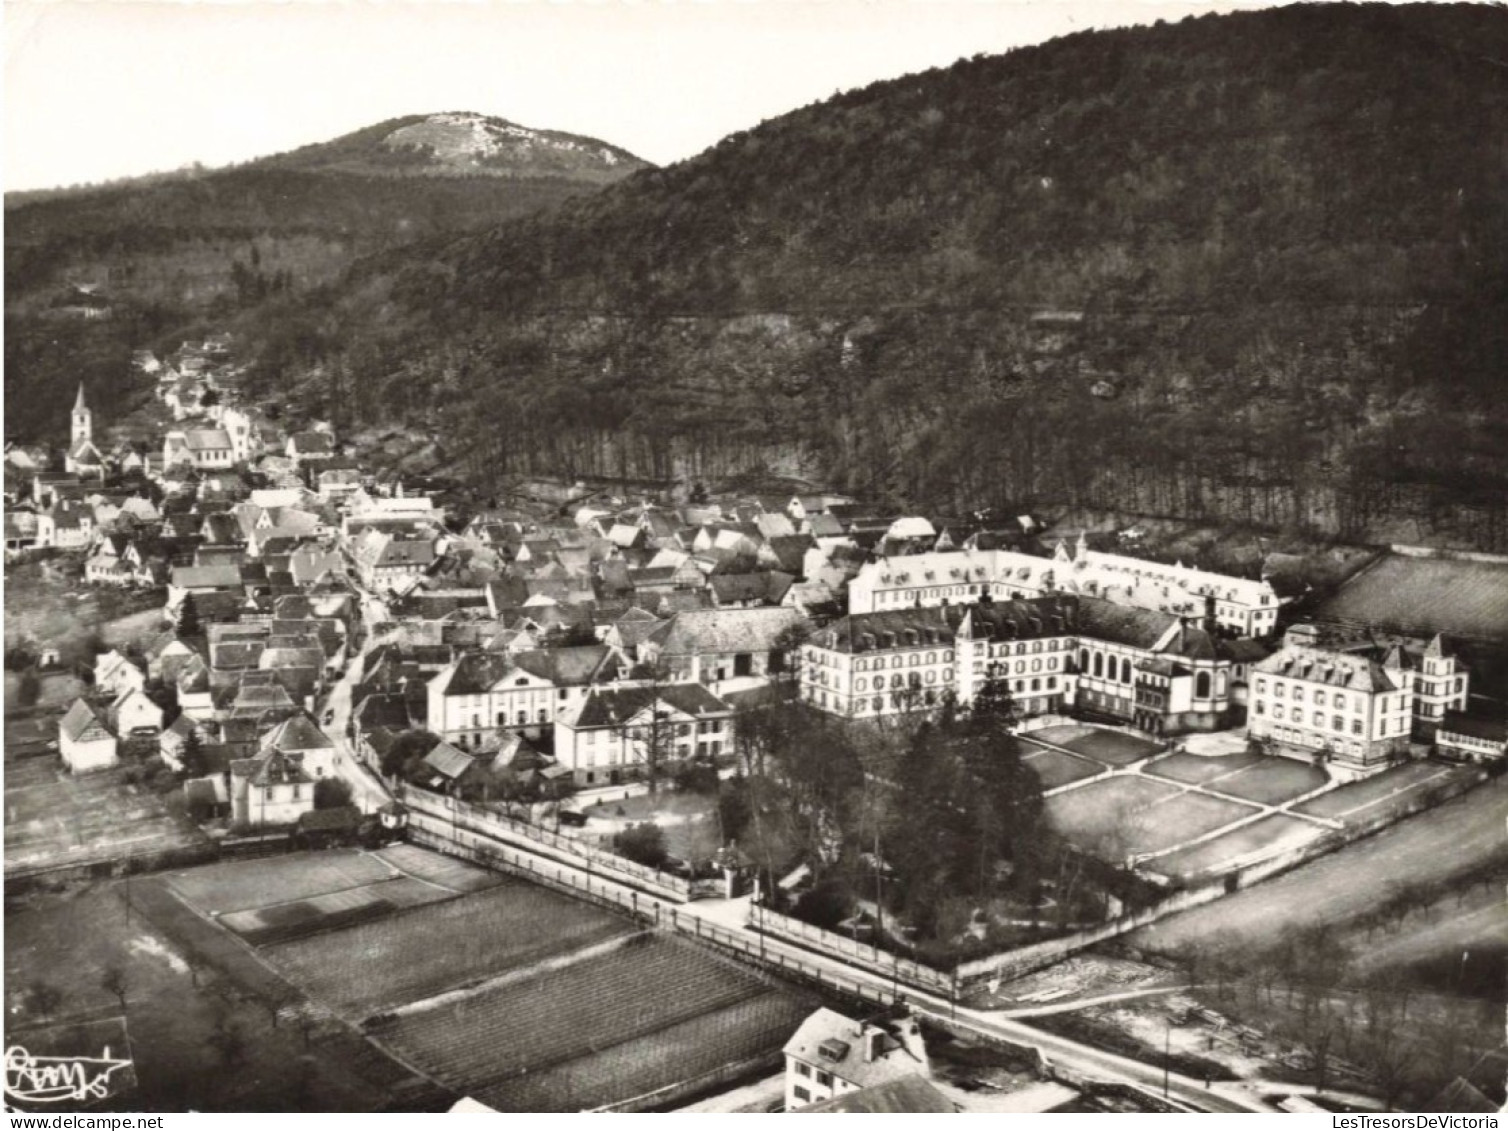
[(113, 981)]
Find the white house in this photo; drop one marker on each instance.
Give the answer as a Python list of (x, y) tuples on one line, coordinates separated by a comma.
[(200, 447), (832, 1055), (114, 674), (135, 713), (611, 734), (85, 740)]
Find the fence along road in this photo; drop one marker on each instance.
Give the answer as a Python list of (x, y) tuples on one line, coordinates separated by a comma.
[(695, 921)]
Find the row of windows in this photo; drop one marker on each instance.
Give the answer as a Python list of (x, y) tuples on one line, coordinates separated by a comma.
[(1337, 723)]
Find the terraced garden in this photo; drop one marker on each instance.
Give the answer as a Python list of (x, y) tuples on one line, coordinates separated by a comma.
[(1272, 781), (1196, 769)]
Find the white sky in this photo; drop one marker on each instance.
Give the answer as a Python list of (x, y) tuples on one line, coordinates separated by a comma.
[(112, 88)]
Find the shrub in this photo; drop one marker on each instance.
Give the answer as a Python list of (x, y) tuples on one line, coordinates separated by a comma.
[(643, 844)]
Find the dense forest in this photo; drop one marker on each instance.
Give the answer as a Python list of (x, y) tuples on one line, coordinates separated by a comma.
[(205, 248), (1243, 268), (1251, 267)]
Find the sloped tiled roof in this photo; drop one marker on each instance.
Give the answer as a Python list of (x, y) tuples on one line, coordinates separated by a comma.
[(82, 723), (617, 706), (724, 631)]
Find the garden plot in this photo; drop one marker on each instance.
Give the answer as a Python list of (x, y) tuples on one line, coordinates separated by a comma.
[(250, 884), (1428, 595), (1112, 747), (1261, 839), (1054, 768), (487, 1042), (283, 922), (1131, 815), (1391, 789), (1196, 769), (446, 871), (1272, 781), (374, 966)]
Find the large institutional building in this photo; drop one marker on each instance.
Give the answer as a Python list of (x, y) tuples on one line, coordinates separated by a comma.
[(1241, 605), (1153, 669), (1360, 702)]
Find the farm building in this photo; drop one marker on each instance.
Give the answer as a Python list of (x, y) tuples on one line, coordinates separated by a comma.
[(85, 740)]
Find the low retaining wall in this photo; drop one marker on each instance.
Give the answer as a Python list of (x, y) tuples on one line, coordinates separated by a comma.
[(567, 850)]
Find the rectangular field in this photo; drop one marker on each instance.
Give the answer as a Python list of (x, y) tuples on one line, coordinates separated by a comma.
[(1272, 781), (1426, 595), (432, 867), (1054, 768), (1185, 817), (283, 922), (54, 818), (1112, 747), (1363, 800), (248, 884), (751, 1028), (1083, 814), (1196, 769), (1266, 837), (375, 966), (1429, 848), (482, 1043)]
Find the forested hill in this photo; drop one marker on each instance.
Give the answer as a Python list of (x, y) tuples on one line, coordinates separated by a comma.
[(1247, 266), (192, 252), (303, 215)]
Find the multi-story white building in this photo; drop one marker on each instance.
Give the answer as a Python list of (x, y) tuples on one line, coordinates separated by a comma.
[(480, 693), (1358, 708), (1146, 667), (200, 447), (609, 736), (1244, 606), (831, 1055)]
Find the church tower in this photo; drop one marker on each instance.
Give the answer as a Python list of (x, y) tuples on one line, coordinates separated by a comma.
[(83, 419)]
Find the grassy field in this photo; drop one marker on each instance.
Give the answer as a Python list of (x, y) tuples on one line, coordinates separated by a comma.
[(55, 607), (747, 1029), (55, 818), (71, 938), (1272, 781), (242, 885), (1112, 747), (447, 871), (1116, 804), (1335, 889), (284, 922), (1273, 834), (486, 1042), (380, 965), (1194, 769), (1182, 818), (1054, 768), (1364, 800), (1426, 595)]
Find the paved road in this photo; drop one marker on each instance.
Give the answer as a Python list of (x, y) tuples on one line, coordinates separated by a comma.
[(367, 791)]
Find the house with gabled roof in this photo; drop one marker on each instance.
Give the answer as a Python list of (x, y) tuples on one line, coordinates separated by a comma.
[(609, 736), (85, 739), (481, 692), (300, 739), (134, 713), (713, 645), (201, 448), (269, 789), (115, 672), (831, 1055)]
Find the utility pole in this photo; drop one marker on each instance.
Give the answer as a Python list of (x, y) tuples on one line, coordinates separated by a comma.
[(1167, 1055)]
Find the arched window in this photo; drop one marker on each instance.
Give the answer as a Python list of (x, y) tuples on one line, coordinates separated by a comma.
[(523, 717), (1099, 665), (1319, 718), (544, 716), (1084, 660), (858, 685), (1125, 670), (1036, 685), (1202, 685)]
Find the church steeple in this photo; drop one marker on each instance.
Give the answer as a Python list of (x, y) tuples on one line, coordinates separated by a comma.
[(83, 419)]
